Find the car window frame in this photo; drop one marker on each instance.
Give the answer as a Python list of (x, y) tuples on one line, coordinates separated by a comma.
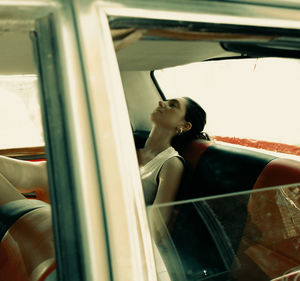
[(68, 134), (134, 10)]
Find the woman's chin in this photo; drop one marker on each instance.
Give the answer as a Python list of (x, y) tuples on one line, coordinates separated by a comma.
[(153, 116)]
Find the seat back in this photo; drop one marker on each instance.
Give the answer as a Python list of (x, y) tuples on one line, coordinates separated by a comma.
[(219, 169), (215, 169), (279, 172)]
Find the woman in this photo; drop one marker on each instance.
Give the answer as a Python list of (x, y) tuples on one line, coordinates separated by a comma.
[(175, 122)]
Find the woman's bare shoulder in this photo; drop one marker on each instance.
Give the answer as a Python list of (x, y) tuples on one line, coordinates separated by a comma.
[(173, 165)]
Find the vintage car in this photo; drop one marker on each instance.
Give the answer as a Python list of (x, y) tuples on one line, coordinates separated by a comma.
[(93, 70)]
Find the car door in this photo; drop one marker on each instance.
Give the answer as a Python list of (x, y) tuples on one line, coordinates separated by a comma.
[(99, 216)]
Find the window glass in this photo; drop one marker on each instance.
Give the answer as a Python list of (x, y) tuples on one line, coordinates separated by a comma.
[(253, 102), (20, 112), (249, 236)]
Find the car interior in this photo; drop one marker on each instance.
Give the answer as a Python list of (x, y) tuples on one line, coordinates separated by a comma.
[(203, 247), (220, 168), (212, 169)]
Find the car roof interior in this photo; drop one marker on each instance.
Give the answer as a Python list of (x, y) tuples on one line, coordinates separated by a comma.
[(156, 44)]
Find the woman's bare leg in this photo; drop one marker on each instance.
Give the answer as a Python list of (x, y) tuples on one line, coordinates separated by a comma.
[(8, 192), (24, 175)]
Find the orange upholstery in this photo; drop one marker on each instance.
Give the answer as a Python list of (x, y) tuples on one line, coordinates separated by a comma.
[(27, 248), (277, 172)]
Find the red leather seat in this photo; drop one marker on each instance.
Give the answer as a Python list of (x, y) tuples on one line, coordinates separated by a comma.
[(219, 169), (216, 169), (278, 172)]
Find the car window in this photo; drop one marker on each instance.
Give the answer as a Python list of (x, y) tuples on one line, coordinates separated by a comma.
[(248, 236), (252, 102), (205, 238), (20, 112)]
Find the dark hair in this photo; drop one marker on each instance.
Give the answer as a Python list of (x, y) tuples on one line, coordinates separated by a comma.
[(196, 115)]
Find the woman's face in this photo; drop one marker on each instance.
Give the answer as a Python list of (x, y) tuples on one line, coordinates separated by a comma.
[(170, 113)]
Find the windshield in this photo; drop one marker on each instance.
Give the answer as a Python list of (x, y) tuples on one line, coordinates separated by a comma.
[(250, 102), (246, 236)]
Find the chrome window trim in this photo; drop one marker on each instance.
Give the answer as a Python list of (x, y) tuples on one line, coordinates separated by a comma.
[(205, 18), (131, 252), (81, 146), (274, 3), (208, 12)]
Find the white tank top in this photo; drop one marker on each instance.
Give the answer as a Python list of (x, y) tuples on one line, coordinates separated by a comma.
[(149, 173)]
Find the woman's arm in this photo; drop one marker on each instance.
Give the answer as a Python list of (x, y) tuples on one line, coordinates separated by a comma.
[(169, 181)]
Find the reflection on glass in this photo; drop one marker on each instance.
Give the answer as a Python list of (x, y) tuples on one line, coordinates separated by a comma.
[(249, 236)]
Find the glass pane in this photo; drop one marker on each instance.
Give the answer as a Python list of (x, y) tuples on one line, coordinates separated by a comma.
[(252, 102), (21, 111), (249, 236)]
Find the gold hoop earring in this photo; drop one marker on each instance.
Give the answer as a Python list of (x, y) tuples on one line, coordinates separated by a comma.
[(179, 132)]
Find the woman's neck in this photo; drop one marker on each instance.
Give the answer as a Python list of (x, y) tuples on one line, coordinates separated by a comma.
[(158, 140)]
